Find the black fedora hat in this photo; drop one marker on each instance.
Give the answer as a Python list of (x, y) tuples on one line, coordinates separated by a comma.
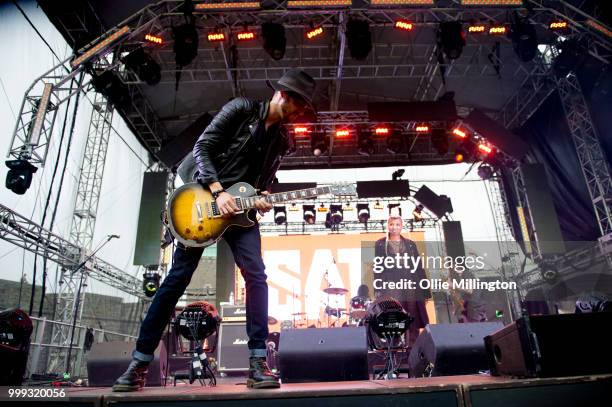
[(297, 81)]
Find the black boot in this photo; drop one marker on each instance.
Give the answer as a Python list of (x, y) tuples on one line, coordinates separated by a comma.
[(133, 378), (260, 376)]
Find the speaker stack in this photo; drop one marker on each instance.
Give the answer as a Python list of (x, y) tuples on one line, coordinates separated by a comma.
[(232, 349)]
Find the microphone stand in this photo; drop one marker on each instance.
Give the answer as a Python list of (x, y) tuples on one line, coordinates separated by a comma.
[(78, 296)]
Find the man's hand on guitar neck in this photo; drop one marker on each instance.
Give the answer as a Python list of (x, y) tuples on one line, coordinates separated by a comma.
[(262, 205)]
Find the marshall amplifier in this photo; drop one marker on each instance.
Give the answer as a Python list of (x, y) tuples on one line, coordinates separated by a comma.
[(233, 313), (552, 345), (232, 350)]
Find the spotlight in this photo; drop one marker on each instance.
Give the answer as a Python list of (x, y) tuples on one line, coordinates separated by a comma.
[(111, 86), (363, 212), (150, 283), (558, 25), (19, 176), (422, 128), (485, 149), (459, 156), (365, 143), (274, 40), (459, 133), (417, 213), (144, 66), (395, 210), (314, 32), (246, 35), (387, 319), (439, 141), (397, 174), (280, 215), (485, 172), (343, 133), (381, 130), (403, 25), (497, 30), (359, 39), (216, 36), (309, 214), (548, 271), (476, 28), (301, 130), (319, 144), (186, 42), (451, 38), (395, 143), (334, 216), (524, 40), (154, 39)]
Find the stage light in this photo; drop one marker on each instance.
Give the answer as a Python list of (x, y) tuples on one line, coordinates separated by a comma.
[(365, 143), (342, 133), (253, 5), (186, 40), (274, 40), (459, 133), (101, 46), (397, 174), (154, 39), (111, 86), (497, 30), (478, 28), (451, 38), (402, 2), (322, 208), (499, 313), (387, 319), (150, 283), (359, 38), (309, 214), (485, 149), (491, 2), (485, 172), (197, 321), (594, 24), (439, 141), (382, 130), (319, 144), (524, 40), (314, 32), (336, 213), (459, 156), (403, 25), (19, 175), (318, 3), (301, 130), (245, 36), (395, 210), (215, 36), (377, 205), (363, 212), (422, 129), (144, 66), (558, 25), (395, 143), (280, 215)]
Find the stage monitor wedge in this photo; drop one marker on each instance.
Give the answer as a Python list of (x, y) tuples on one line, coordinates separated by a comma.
[(383, 189)]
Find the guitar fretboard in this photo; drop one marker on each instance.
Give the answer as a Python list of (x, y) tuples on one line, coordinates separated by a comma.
[(249, 202)]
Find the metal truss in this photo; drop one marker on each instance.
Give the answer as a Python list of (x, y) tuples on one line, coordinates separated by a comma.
[(28, 235), (83, 222), (592, 159), (346, 226)]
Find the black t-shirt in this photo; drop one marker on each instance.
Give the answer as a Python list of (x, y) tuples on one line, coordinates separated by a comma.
[(259, 146)]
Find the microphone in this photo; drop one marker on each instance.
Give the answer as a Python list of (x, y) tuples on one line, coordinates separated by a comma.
[(113, 237)]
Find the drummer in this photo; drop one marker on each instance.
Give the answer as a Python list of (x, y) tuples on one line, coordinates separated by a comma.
[(413, 301)]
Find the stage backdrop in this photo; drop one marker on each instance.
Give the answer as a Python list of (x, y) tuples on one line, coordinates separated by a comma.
[(299, 267)]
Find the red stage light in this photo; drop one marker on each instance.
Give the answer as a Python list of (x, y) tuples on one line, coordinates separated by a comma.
[(476, 29), (342, 133), (154, 39), (212, 37), (497, 30), (422, 129), (381, 130), (315, 32), (483, 148), (300, 129), (459, 157), (246, 35), (459, 133), (403, 25)]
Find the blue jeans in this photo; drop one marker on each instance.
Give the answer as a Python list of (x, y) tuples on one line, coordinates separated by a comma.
[(245, 244)]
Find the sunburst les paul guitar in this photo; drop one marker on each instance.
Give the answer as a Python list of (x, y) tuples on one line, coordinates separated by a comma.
[(195, 221)]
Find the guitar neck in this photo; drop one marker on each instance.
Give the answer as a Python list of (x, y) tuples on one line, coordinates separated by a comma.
[(281, 197)]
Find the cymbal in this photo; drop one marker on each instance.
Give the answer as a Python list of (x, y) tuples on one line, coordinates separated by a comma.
[(335, 290), (272, 320), (299, 313)]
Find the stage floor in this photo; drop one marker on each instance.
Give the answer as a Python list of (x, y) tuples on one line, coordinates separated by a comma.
[(460, 391)]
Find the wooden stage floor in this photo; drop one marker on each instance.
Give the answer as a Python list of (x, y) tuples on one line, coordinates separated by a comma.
[(460, 391)]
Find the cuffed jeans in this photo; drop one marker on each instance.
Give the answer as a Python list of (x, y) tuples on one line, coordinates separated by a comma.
[(245, 244)]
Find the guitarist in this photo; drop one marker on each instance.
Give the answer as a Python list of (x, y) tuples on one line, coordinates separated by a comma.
[(245, 142)]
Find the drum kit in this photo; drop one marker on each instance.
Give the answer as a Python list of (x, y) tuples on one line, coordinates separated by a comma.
[(333, 316)]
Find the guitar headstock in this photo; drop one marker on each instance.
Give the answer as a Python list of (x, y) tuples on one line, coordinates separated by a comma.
[(343, 188)]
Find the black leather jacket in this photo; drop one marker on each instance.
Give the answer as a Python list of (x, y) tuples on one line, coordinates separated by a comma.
[(223, 151)]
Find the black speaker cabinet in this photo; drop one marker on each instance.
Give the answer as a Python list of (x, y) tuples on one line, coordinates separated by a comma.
[(451, 349), (323, 354), (552, 345), (232, 349), (108, 360)]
